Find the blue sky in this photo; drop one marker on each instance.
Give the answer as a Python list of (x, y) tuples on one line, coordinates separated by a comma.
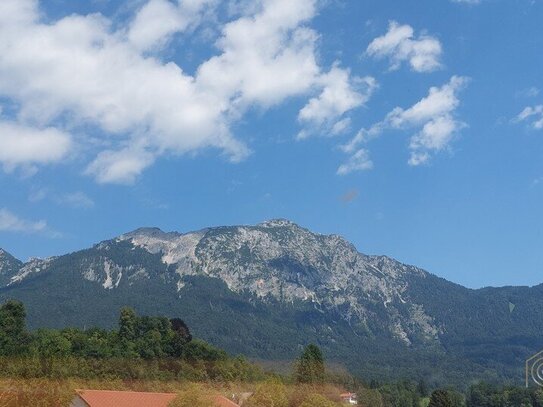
[(413, 128)]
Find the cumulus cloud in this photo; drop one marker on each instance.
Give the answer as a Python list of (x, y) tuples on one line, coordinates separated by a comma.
[(9, 222), (533, 115), (119, 166), (399, 45), (158, 20), (22, 145), (341, 93), (266, 57), (433, 116), (84, 70), (359, 161)]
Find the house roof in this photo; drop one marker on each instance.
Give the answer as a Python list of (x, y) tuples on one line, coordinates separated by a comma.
[(110, 398)]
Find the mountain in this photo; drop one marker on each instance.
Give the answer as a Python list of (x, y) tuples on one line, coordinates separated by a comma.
[(267, 290), (9, 266)]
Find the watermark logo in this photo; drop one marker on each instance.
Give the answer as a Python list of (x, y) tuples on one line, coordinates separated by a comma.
[(534, 369)]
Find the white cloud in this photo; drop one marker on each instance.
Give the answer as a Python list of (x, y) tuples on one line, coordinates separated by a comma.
[(359, 161), (341, 93), (441, 101), (530, 92), (22, 145), (119, 166), (158, 20), (9, 222), (434, 116), (532, 114), (83, 71), (399, 45), (341, 126), (266, 57), (77, 199)]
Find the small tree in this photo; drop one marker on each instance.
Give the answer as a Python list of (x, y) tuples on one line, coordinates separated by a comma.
[(310, 365)]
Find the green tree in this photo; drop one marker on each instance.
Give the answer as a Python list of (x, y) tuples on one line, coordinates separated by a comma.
[(180, 337), (537, 396), (51, 347), (199, 350), (13, 335), (128, 322), (441, 398), (150, 345), (369, 397), (422, 388), (310, 365), (484, 395), (100, 343), (402, 394)]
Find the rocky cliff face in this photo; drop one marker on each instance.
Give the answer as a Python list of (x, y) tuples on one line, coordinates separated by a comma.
[(281, 260)]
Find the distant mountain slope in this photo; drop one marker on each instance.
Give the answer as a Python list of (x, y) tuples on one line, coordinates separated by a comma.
[(9, 266), (267, 290)]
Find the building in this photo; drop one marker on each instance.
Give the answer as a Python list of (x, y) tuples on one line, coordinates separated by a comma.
[(349, 398), (111, 398)]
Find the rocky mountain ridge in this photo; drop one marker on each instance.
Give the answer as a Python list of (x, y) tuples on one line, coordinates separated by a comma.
[(267, 289)]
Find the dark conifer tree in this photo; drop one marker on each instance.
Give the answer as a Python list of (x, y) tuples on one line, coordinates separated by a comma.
[(310, 365), (441, 398)]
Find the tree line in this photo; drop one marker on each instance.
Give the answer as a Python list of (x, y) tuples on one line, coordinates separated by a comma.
[(141, 347), (158, 348)]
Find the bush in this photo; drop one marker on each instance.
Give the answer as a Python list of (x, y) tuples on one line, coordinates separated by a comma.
[(316, 400), (194, 396)]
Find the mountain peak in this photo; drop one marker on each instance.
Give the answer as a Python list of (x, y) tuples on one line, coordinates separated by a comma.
[(147, 232), (9, 265), (279, 222), (6, 255)]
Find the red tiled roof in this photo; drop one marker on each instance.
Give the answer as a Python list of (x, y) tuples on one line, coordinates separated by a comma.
[(221, 401), (109, 398)]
